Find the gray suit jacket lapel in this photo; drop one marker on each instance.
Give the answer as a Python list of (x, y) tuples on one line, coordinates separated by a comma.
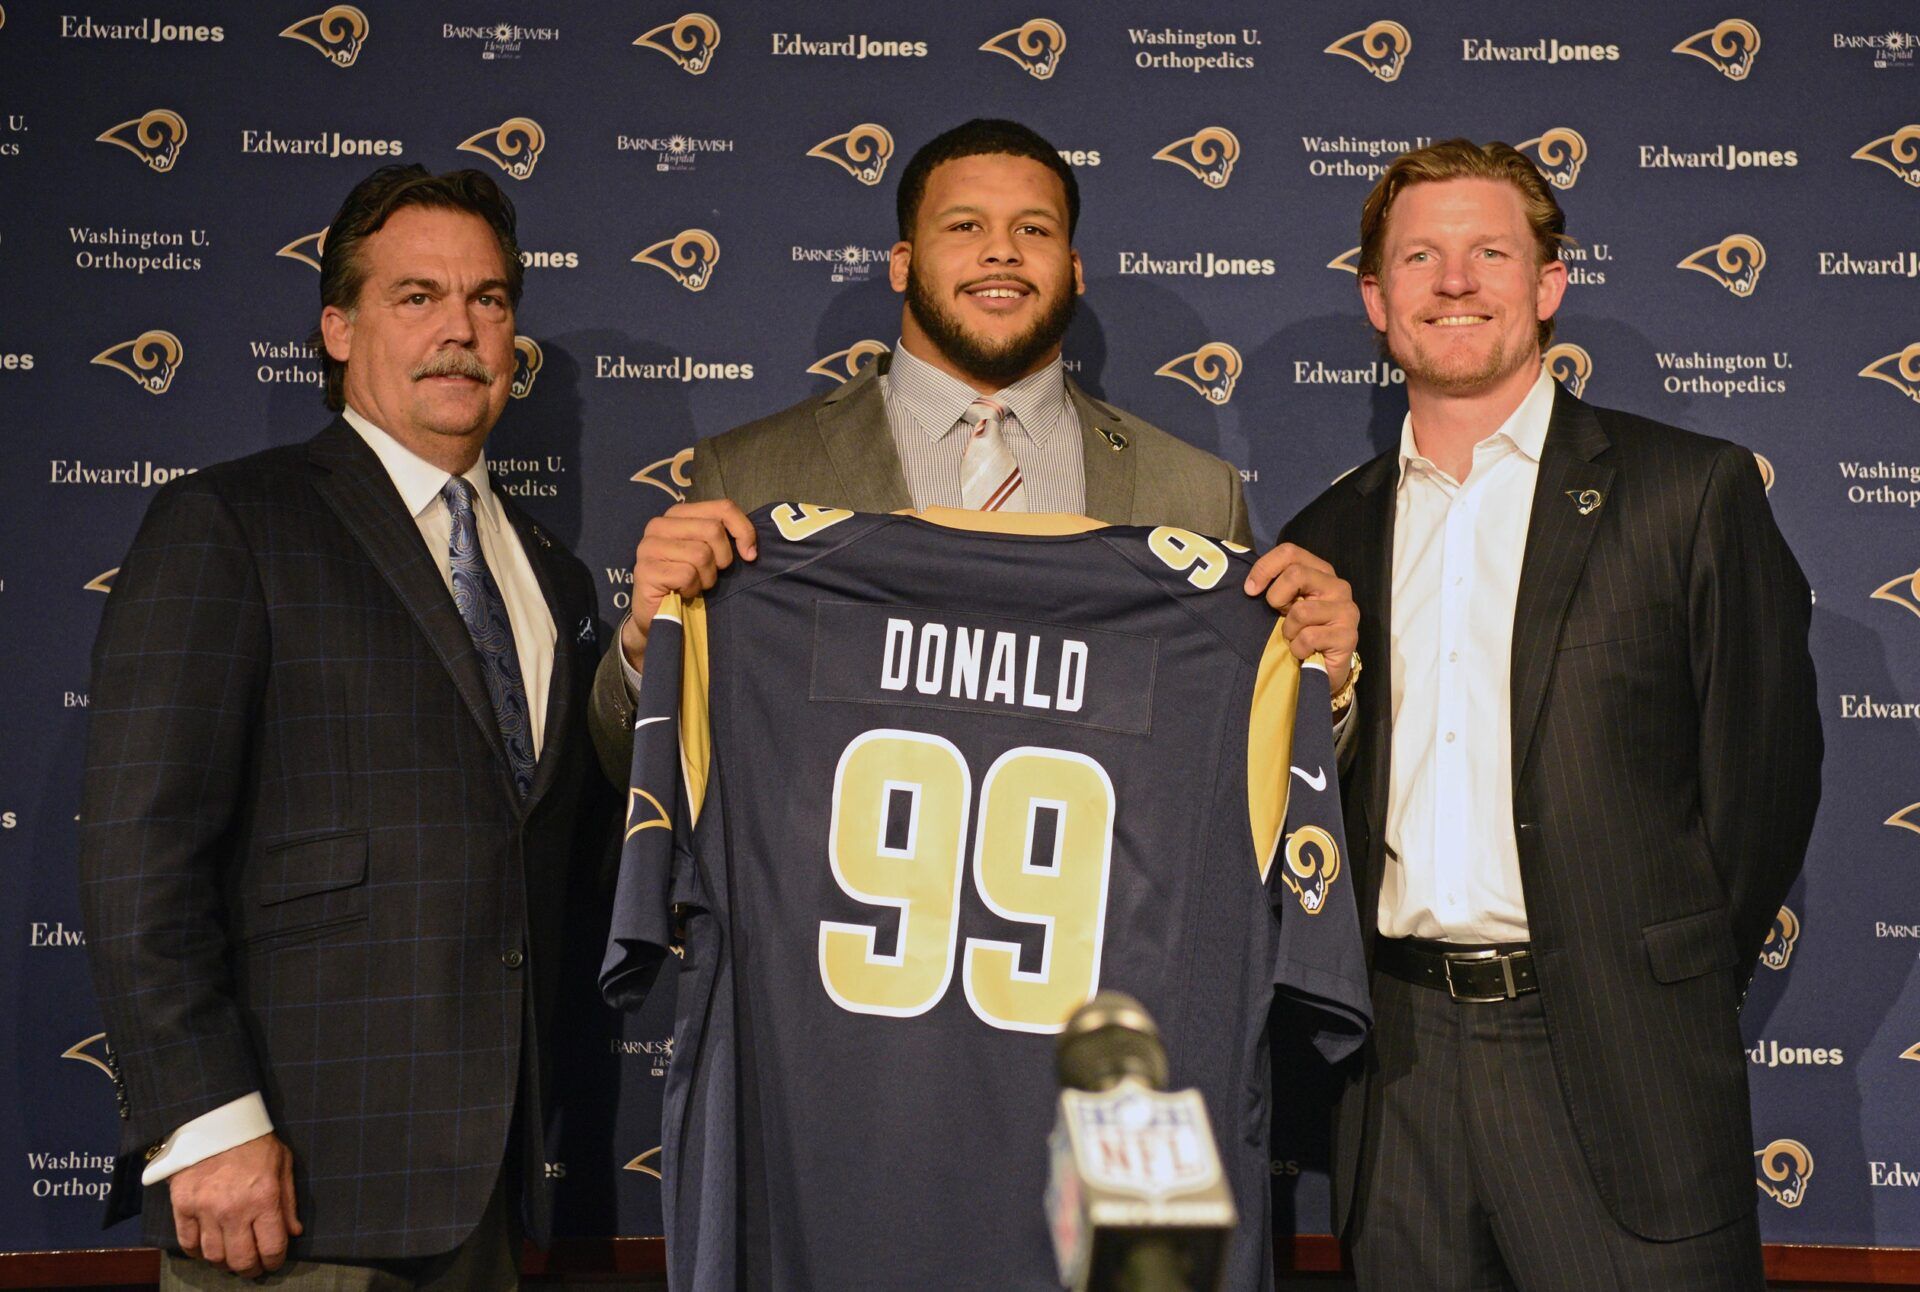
[(852, 422), (1104, 448)]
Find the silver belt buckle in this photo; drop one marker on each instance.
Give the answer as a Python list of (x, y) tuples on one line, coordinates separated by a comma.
[(1448, 960)]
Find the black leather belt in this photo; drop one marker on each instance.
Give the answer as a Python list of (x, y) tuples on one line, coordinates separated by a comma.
[(1478, 974)]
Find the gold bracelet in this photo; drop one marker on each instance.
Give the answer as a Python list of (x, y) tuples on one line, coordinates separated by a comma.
[(1345, 697)]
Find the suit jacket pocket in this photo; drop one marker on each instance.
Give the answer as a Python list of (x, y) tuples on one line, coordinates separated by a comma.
[(1690, 946), (308, 883), (1630, 623)]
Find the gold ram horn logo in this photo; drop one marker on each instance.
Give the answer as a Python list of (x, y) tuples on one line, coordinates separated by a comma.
[(1313, 863), (689, 258), (1728, 46), (1211, 370), (1734, 262), (339, 34), (1785, 1168), (155, 357), (1766, 471), (514, 145), (861, 152), (155, 138), (1777, 950), (101, 582), (1035, 45), (648, 1163), (1380, 47), (1903, 591), (1900, 370), (670, 475), (307, 250), (1207, 155), (1904, 819), (1558, 155), (78, 1052), (845, 365), (527, 358), (689, 40), (1570, 365), (1902, 153)]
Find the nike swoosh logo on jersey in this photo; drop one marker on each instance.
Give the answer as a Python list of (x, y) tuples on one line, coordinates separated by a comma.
[(1318, 781), (662, 718)]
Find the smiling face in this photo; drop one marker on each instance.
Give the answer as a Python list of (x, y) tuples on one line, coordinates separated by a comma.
[(428, 347), (990, 276), (1461, 290)]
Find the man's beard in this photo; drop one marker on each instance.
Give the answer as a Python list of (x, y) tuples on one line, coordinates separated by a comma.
[(1001, 363), (1458, 376)]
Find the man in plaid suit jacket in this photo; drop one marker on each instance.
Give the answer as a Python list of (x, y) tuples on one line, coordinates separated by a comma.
[(338, 785)]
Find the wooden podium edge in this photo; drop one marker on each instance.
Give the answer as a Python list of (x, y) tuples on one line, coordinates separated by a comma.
[(647, 1258)]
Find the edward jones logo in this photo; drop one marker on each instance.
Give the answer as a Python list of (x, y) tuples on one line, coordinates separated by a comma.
[(1729, 47), (514, 145), (1210, 372), (151, 359), (155, 138), (307, 250), (690, 41), (1785, 1167), (1734, 262), (527, 358), (1569, 365), (669, 475), (1558, 154), (1899, 152), (1208, 155), (338, 35), (1777, 950), (1381, 47), (845, 365), (1900, 370), (862, 152), (1036, 45), (687, 257)]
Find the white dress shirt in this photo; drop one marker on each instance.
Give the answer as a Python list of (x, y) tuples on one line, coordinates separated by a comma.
[(419, 482), (1453, 865)]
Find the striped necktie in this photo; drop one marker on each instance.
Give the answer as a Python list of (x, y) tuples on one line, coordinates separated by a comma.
[(989, 477), (478, 599)]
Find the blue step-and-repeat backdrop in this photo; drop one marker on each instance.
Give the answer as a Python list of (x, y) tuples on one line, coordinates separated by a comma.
[(706, 205)]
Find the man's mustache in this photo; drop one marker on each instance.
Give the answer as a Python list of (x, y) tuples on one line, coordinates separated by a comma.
[(454, 363)]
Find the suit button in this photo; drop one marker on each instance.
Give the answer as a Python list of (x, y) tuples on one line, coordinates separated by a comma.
[(513, 959)]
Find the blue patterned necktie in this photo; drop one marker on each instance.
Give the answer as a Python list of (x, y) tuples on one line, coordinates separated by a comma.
[(478, 598)]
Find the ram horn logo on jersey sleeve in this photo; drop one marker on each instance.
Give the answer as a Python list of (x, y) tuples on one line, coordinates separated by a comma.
[(1903, 591), (514, 145), (307, 250), (155, 138), (1901, 370), (1766, 471), (1777, 950), (669, 475), (1902, 155), (527, 358), (1348, 260), (1380, 47), (339, 34), (155, 357), (1734, 262), (862, 152), (1036, 45), (644, 812), (689, 258), (1570, 365), (78, 1051), (1558, 154), (1729, 46), (689, 40), (1211, 370), (844, 365), (1313, 864), (1785, 1168), (1207, 155)]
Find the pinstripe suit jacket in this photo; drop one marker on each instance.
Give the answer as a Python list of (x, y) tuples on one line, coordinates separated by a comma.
[(304, 866), (1666, 764), (837, 450)]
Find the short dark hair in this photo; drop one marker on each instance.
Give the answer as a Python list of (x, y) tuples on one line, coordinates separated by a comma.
[(369, 206), (979, 137)]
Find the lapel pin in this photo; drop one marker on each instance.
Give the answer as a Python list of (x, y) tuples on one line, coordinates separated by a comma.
[(585, 635), (1587, 500), (1115, 440)]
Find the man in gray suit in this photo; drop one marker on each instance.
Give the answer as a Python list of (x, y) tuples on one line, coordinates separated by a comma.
[(972, 409)]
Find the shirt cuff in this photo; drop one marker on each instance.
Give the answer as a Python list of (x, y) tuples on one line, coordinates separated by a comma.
[(1343, 724), (631, 674), (228, 1126)]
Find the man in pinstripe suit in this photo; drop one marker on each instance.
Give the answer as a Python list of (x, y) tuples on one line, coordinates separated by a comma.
[(338, 782), (1583, 780)]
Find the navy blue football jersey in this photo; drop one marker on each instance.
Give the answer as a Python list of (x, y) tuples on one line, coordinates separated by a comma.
[(905, 794)]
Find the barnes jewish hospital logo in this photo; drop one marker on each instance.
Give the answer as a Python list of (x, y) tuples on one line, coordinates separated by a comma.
[(1785, 1167), (670, 476), (1777, 950), (1734, 262), (690, 41), (1211, 371), (1380, 47), (151, 359), (514, 145), (687, 257), (1208, 155), (862, 152), (527, 358), (1899, 152), (339, 34), (155, 138), (1036, 45), (1901, 370), (844, 365), (1558, 155), (1729, 47)]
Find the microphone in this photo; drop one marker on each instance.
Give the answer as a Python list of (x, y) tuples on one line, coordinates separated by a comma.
[(1137, 1200)]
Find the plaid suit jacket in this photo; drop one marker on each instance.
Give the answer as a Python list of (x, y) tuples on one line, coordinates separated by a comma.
[(305, 869)]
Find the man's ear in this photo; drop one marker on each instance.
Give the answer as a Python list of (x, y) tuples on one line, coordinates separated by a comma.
[(1079, 276), (1376, 305), (1550, 290), (336, 330), (897, 263)]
